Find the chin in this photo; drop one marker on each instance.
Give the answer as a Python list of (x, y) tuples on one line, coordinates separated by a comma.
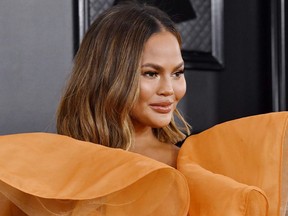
[(161, 123)]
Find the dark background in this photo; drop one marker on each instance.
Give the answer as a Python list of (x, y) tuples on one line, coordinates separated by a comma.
[(36, 40), (245, 83), (243, 87)]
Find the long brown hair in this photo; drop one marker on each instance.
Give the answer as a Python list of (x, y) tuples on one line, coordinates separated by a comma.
[(104, 83)]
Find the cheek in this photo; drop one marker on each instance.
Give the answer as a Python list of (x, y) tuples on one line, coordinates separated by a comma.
[(147, 90), (180, 89)]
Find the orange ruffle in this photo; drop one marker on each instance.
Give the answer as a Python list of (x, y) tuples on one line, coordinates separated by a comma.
[(239, 167), (236, 168), (49, 174)]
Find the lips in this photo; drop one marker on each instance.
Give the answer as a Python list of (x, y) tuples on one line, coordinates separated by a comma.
[(162, 107)]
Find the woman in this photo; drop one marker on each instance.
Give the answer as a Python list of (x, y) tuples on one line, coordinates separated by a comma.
[(127, 80)]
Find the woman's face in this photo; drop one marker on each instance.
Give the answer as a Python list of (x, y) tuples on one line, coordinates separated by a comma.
[(162, 82)]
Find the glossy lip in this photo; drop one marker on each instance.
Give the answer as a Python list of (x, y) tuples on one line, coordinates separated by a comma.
[(162, 107)]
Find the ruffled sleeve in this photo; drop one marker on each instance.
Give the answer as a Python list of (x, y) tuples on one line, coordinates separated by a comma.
[(239, 167), (48, 174)]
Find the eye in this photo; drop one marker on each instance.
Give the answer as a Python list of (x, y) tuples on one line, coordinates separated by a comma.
[(178, 74), (150, 74)]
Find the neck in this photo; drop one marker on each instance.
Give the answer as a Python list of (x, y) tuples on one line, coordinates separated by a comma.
[(144, 138), (148, 145)]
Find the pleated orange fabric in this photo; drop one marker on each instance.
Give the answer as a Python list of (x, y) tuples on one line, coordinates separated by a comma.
[(233, 169), (215, 194), (48, 174), (241, 163)]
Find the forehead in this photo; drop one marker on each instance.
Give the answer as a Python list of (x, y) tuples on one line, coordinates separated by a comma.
[(162, 46)]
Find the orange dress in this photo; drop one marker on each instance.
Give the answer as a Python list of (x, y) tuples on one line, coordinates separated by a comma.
[(47, 174), (238, 168)]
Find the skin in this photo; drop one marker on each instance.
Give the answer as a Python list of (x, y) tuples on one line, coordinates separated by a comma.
[(162, 86)]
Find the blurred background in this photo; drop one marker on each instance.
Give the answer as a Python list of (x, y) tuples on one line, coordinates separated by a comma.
[(38, 39)]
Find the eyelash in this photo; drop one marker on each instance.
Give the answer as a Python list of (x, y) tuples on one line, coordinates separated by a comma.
[(179, 73), (152, 74)]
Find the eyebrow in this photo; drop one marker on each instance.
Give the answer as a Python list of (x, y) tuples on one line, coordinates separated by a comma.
[(158, 67)]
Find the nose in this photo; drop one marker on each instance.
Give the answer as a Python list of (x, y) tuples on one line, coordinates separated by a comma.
[(165, 87)]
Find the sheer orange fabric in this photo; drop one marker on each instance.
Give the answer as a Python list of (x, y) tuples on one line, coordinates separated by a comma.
[(232, 162), (46, 174), (235, 168)]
